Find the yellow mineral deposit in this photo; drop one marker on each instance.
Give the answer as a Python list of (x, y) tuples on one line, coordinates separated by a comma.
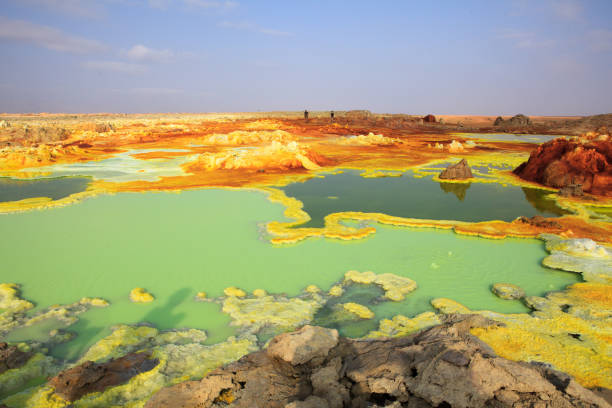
[(359, 310), (140, 295), (233, 291)]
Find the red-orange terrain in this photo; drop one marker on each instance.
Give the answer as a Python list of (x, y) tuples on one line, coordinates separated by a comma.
[(267, 150)]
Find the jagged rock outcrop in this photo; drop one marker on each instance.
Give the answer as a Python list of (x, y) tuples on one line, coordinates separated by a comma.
[(444, 366), (458, 171), (584, 163), (11, 357), (90, 377), (516, 121)]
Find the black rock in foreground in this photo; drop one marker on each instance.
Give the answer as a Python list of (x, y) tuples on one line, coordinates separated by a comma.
[(444, 366)]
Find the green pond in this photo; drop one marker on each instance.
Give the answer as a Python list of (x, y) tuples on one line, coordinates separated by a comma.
[(175, 245), (411, 197), (54, 188)]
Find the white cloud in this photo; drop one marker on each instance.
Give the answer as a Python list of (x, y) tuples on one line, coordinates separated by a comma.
[(78, 8), (151, 91), (525, 39), (47, 37), (567, 9), (206, 4), (202, 4), (600, 40), (115, 66), (140, 52), (252, 27)]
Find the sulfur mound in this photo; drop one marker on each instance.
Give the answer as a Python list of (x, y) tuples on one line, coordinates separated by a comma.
[(442, 366), (241, 137), (276, 155), (367, 140), (140, 295)]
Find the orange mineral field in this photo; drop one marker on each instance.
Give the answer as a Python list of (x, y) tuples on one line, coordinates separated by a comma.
[(262, 150), (378, 226)]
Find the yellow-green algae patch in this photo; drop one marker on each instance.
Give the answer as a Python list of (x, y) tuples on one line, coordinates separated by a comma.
[(396, 287), (571, 330), (401, 325), (257, 312), (359, 310), (37, 367), (181, 354)]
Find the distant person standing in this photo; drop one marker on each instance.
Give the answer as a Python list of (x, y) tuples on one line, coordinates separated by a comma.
[(305, 114), (331, 115)]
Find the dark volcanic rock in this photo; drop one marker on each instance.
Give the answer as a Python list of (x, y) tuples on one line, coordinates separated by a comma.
[(517, 121), (444, 366), (89, 377), (563, 163), (458, 171), (11, 357), (429, 119)]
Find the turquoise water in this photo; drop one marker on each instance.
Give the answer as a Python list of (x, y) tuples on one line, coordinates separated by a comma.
[(175, 245), (54, 188), (422, 198)]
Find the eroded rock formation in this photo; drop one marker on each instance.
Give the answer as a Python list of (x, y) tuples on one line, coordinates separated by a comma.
[(11, 357), (569, 164), (458, 171), (90, 377), (440, 367)]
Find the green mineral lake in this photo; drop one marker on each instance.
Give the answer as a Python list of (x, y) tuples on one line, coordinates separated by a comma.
[(175, 245), (54, 188), (412, 197)]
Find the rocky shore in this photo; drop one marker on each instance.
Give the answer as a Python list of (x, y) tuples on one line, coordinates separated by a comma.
[(444, 366)]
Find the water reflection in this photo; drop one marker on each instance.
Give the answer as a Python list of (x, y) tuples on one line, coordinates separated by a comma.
[(54, 188), (458, 189), (422, 198)]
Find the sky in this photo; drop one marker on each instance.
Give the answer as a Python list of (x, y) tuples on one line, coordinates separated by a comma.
[(503, 57)]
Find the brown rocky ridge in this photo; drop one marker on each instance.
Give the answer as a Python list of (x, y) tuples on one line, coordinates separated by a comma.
[(576, 165), (90, 377), (444, 366), (11, 357)]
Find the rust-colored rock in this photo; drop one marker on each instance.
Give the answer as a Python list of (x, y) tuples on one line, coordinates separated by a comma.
[(90, 377), (563, 163), (444, 366), (11, 357), (458, 171), (429, 119), (539, 221)]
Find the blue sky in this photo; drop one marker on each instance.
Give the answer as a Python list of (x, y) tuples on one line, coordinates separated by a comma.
[(546, 57)]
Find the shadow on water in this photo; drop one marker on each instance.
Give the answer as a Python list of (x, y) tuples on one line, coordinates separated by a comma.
[(458, 189), (88, 333), (164, 316), (538, 199), (54, 188)]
